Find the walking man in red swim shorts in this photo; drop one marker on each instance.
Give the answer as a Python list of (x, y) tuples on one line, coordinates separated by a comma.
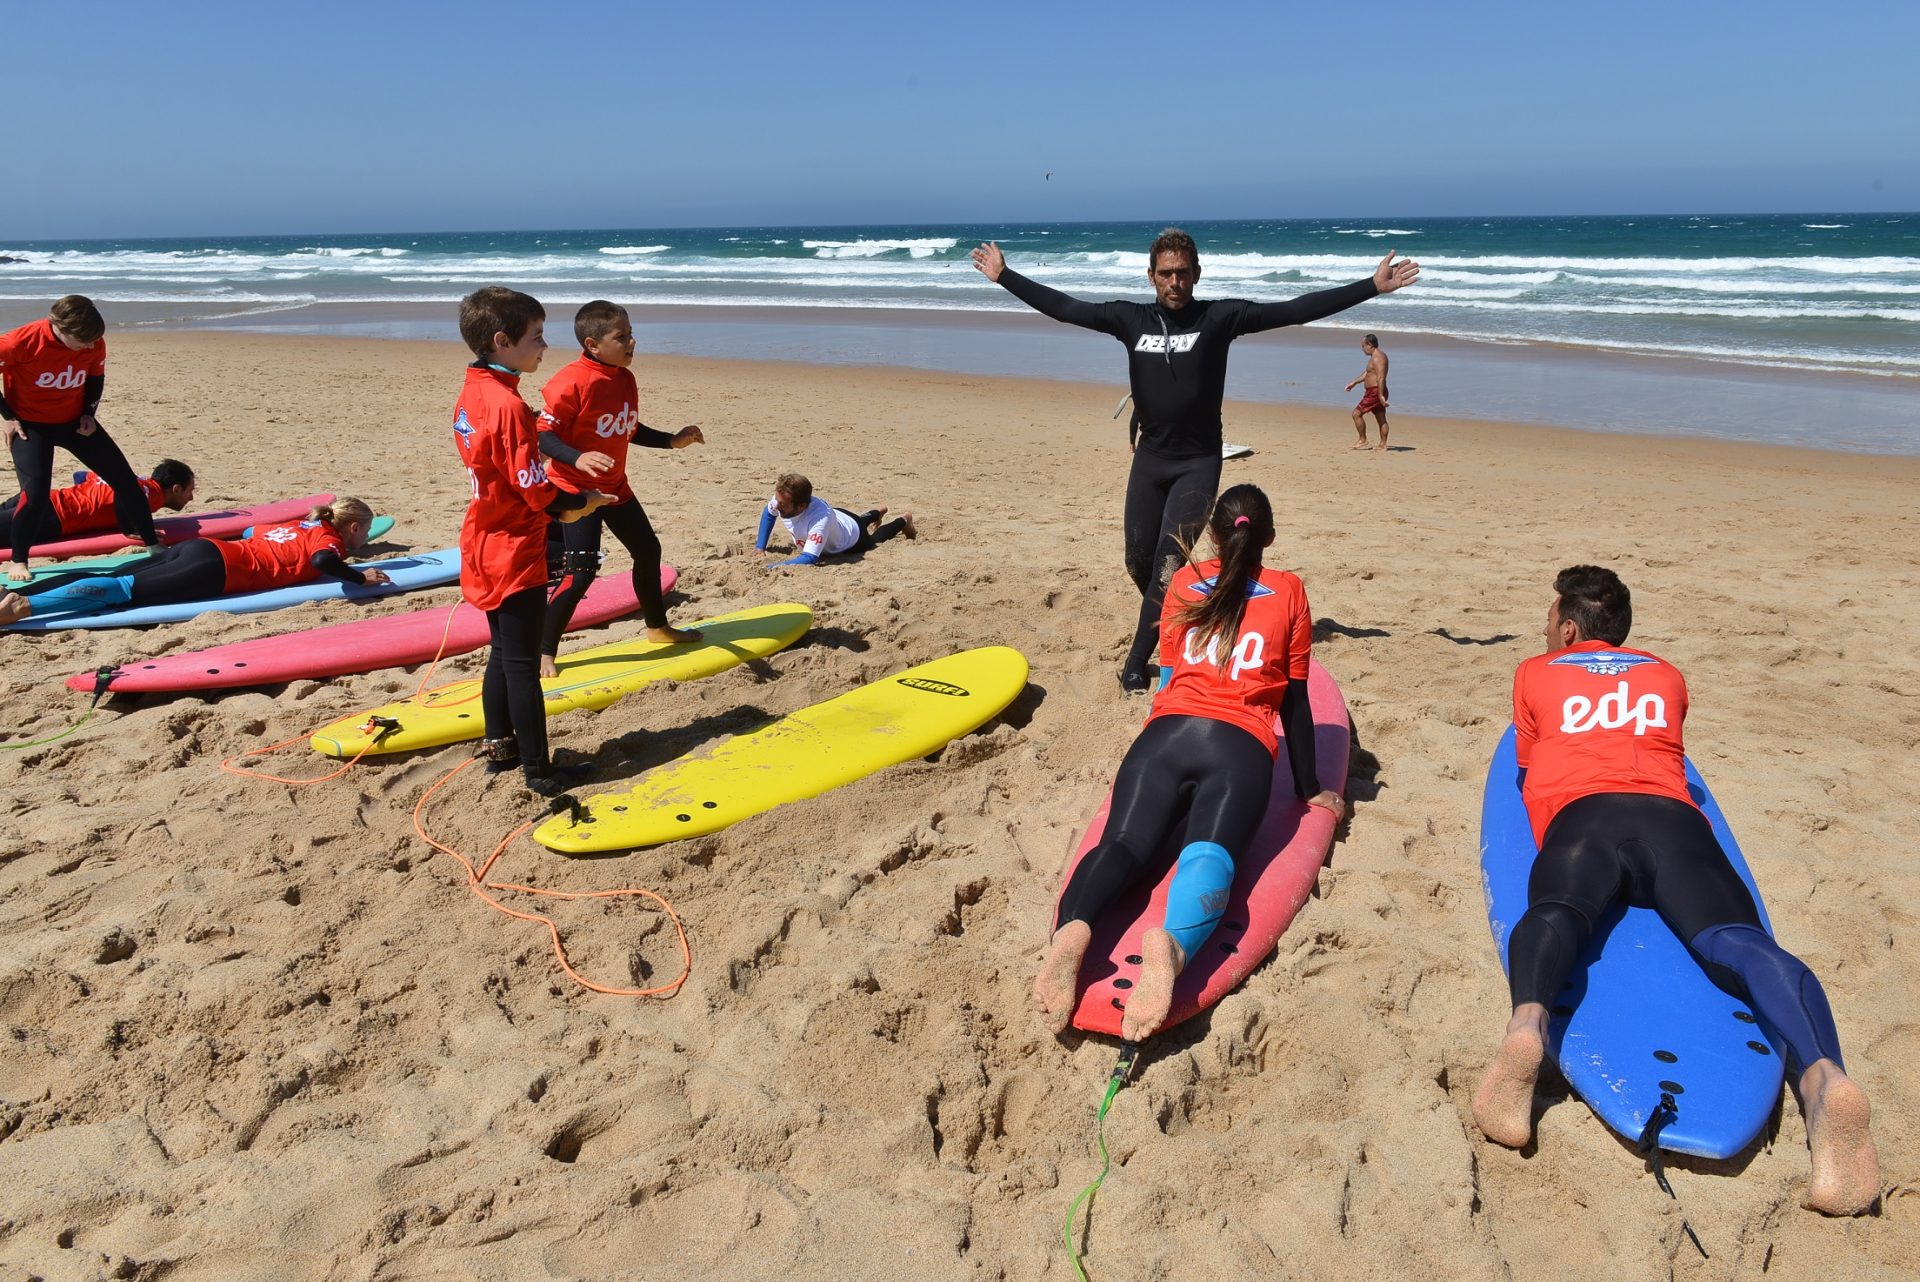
[(1374, 400)]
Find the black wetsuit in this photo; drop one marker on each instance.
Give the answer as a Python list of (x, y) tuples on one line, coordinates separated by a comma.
[(576, 558), (1660, 853), (33, 520), (1177, 368)]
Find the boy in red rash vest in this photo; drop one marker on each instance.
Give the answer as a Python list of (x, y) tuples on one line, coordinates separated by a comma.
[(591, 417), (52, 375), (1603, 775), (277, 556), (503, 541), (89, 506)]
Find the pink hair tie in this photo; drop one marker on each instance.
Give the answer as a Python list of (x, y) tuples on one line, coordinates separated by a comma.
[(1240, 521)]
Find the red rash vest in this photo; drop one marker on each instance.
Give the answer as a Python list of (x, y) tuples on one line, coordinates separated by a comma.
[(43, 379), (1597, 718), (1273, 647), (278, 556), (503, 541)]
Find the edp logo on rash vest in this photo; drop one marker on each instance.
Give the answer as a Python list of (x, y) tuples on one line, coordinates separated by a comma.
[(621, 424), (1615, 709), (66, 380), (1159, 343)]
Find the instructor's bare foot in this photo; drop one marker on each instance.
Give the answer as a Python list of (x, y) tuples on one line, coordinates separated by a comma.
[(672, 635), (1160, 963), (1057, 985), (18, 571), (907, 527), (1503, 1106), (548, 668), (13, 608), (1846, 1165)]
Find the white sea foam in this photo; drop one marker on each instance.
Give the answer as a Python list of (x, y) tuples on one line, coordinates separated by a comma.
[(924, 248), (635, 249), (1373, 231), (1825, 226)]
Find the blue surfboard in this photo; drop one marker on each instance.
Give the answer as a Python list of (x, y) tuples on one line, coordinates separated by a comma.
[(1639, 1020), (427, 570)]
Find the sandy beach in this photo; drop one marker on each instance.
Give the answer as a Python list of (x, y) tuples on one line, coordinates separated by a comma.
[(260, 1032)]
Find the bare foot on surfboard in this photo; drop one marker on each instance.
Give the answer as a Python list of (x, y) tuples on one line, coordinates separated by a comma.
[(548, 668), (673, 636), (1846, 1165), (1160, 963), (18, 572), (1058, 984), (1503, 1106), (13, 608)]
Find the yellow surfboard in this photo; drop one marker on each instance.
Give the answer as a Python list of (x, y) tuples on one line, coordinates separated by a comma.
[(895, 719), (588, 679)]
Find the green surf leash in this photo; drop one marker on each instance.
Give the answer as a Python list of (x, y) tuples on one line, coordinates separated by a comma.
[(101, 678), (1115, 1080)]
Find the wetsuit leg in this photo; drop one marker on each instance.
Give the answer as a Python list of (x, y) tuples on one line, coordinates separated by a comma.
[(1224, 772), (190, 571), (511, 702), (630, 525), (1190, 485), (7, 510), (1577, 876), (33, 461), (101, 456), (579, 566), (1697, 892), (1229, 802)]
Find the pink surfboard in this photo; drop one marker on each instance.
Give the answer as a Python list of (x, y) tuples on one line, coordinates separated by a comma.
[(1272, 879), (225, 524), (362, 645)]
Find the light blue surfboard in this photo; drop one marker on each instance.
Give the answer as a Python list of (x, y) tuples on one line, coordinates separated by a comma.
[(427, 570), (1639, 1020)]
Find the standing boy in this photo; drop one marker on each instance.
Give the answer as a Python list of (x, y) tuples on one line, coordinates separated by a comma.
[(591, 418), (52, 375), (503, 541)]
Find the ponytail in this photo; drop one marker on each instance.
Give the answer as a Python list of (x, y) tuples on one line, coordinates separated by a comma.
[(1241, 526), (341, 510)]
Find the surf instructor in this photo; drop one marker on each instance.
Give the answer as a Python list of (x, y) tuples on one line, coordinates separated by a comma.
[(1177, 368)]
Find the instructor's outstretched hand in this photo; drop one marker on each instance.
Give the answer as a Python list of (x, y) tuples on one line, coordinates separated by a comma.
[(1390, 275), (992, 262)]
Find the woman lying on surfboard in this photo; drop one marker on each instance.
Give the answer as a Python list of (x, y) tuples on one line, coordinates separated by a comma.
[(275, 556), (1236, 638)]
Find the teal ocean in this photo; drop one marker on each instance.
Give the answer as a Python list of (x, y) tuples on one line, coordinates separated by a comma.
[(1834, 292)]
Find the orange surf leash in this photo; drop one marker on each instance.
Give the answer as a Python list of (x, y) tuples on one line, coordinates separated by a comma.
[(477, 882)]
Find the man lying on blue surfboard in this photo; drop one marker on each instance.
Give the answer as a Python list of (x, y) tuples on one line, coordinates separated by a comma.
[(1597, 736)]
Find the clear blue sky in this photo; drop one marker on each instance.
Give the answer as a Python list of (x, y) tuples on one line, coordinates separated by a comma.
[(228, 118)]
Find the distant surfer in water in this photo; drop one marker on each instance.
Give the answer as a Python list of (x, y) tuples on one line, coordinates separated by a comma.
[(275, 556), (1604, 781), (1177, 367), (1374, 400), (1237, 638)]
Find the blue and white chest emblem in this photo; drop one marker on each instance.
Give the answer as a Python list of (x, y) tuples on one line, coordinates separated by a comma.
[(1204, 587), (1602, 663), (462, 428)]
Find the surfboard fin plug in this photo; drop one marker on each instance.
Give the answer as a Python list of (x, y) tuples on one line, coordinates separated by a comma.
[(379, 727), (102, 679)]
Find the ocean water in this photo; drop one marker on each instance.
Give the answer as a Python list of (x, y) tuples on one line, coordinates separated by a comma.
[(1830, 292)]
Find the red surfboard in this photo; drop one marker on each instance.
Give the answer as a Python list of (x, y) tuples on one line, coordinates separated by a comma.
[(225, 524), (362, 645), (1271, 881)]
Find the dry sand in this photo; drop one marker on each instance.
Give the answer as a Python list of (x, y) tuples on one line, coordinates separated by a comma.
[(262, 1033)]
